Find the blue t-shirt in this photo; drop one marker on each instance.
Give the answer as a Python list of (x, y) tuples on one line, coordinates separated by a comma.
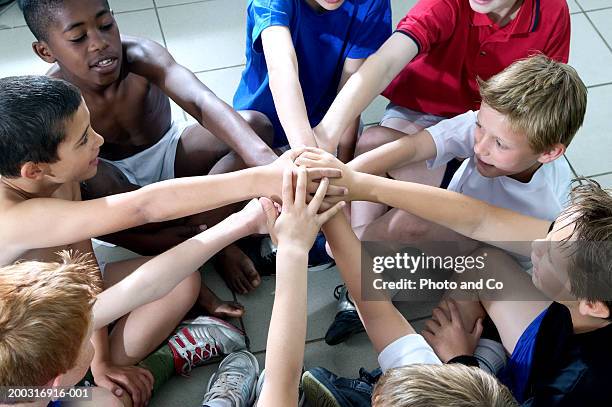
[(515, 375), (322, 42)]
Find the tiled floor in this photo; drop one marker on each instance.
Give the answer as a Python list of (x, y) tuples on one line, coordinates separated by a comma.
[(208, 37)]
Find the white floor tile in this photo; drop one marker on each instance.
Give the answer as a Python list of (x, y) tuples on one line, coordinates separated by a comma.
[(400, 8), (594, 4), (120, 6), (165, 3), (222, 82), (603, 21), (141, 24), (12, 17), (321, 307), (208, 35), (573, 6), (605, 181), (588, 53), (17, 45), (590, 150)]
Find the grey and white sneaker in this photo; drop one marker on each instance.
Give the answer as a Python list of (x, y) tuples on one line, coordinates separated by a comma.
[(235, 381), (346, 322), (260, 383), (202, 339)]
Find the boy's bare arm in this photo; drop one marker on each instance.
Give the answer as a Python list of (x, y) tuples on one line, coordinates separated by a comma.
[(463, 214), (285, 85), (49, 222), (405, 150), (152, 61), (348, 140), (383, 322), (152, 281), (375, 74)]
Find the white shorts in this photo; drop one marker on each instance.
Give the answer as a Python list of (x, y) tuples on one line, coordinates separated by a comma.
[(156, 163), (424, 120)]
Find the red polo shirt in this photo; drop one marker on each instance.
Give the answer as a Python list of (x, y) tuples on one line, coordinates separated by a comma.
[(457, 45)]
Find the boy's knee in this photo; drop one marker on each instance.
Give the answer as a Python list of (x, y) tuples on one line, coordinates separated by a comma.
[(260, 124), (371, 138)]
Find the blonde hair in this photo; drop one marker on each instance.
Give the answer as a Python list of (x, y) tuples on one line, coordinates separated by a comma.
[(45, 313), (543, 99), (451, 385)]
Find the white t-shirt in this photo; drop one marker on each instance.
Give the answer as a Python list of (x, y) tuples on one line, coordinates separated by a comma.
[(543, 197), (407, 350)]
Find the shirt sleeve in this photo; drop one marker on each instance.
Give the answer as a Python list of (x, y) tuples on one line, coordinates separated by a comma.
[(268, 13), (454, 138), (373, 30), (430, 22), (407, 350)]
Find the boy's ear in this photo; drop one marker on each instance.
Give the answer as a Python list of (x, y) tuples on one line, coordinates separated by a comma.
[(41, 48), (552, 153), (596, 309), (32, 171)]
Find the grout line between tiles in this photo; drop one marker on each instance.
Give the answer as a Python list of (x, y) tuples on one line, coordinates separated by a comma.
[(219, 69), (597, 30), (600, 174), (184, 4), (599, 85), (161, 28)]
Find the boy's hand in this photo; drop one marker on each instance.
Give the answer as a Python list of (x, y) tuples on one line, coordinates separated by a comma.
[(136, 381), (286, 161), (447, 335), (254, 216), (316, 158), (299, 222)]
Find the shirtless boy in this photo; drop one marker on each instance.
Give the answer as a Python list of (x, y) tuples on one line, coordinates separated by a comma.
[(47, 146), (127, 83)]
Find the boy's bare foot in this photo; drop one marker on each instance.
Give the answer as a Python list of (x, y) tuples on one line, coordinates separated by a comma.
[(237, 270), (216, 307)]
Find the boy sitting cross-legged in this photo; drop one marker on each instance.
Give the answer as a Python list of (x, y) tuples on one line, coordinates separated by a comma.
[(512, 151), (50, 309), (47, 146), (127, 83), (559, 353)]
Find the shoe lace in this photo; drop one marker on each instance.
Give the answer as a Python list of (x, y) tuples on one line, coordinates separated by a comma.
[(228, 386), (337, 291)]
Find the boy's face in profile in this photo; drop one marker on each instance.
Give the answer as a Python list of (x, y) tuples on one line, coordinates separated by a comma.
[(84, 39), (78, 153), (325, 5), (86, 353), (498, 150), (550, 260)]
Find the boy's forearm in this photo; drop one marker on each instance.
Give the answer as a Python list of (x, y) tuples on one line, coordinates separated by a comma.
[(287, 331), (99, 340), (367, 83), (468, 216), (152, 281), (224, 122), (383, 323), (181, 197)]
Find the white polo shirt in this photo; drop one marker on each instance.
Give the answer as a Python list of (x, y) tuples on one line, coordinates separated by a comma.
[(543, 197), (407, 350)]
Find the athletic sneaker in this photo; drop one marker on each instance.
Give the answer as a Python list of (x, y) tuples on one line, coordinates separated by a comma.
[(235, 380), (318, 259), (202, 339), (260, 383), (325, 389), (346, 322)]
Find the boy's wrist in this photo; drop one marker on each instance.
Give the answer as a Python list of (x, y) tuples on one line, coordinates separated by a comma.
[(292, 248)]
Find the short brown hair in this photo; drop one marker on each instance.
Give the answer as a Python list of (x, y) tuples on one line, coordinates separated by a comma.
[(451, 385), (590, 265), (45, 312), (543, 99)]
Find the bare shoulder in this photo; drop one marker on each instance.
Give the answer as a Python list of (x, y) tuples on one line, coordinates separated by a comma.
[(140, 50)]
